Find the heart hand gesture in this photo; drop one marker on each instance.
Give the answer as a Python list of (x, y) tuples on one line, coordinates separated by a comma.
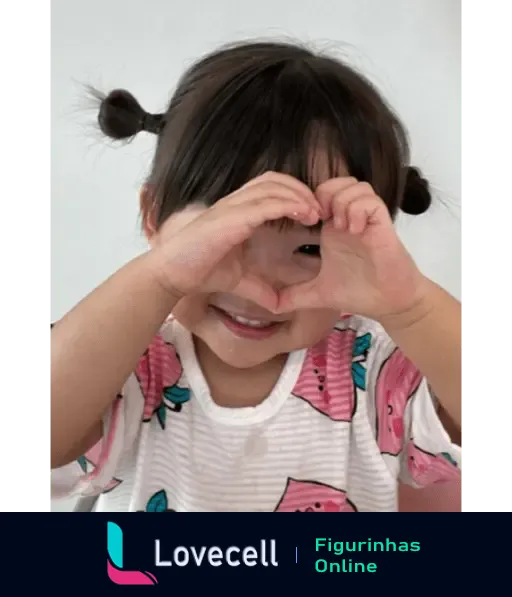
[(365, 267)]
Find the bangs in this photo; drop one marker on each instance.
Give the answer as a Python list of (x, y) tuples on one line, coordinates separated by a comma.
[(313, 121)]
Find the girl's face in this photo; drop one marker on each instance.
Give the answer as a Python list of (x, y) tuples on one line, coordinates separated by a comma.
[(241, 333)]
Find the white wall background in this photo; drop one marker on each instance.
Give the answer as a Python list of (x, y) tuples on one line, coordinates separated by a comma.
[(409, 48)]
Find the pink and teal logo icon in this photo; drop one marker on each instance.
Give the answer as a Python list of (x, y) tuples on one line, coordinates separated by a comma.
[(116, 571)]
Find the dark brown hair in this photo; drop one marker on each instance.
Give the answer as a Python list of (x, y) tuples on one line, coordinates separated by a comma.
[(254, 107)]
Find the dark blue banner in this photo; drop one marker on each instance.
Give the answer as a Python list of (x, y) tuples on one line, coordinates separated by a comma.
[(412, 553)]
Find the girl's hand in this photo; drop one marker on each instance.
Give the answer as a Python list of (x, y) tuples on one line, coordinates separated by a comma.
[(365, 268), (200, 249)]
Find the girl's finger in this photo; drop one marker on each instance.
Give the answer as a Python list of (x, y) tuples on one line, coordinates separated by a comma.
[(270, 189), (287, 181), (361, 189), (326, 191), (342, 199), (363, 212), (269, 208), (282, 178)]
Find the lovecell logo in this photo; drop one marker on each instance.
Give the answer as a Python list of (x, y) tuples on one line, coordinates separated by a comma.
[(115, 569)]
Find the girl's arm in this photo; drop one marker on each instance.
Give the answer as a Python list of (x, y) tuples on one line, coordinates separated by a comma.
[(430, 336), (95, 348)]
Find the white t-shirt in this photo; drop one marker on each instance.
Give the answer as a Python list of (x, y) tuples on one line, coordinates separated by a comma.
[(346, 422)]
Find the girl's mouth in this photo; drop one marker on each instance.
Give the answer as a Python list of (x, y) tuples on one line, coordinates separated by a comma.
[(244, 327)]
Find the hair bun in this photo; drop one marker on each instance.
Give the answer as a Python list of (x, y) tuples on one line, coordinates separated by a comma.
[(121, 116), (417, 198)]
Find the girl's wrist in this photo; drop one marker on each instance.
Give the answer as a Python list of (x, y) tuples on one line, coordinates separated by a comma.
[(157, 269), (424, 300)]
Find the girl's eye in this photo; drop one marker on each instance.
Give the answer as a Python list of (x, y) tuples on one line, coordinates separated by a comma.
[(310, 250)]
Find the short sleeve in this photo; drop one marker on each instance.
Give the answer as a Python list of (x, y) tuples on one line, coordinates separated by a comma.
[(140, 401), (409, 433), (429, 456), (96, 471)]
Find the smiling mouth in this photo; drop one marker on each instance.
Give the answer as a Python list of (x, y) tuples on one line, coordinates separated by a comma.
[(252, 323), (247, 327)]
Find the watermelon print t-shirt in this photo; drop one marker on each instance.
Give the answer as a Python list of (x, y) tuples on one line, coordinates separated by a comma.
[(347, 421)]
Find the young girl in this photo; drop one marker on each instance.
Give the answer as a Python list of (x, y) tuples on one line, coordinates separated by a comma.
[(277, 349)]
